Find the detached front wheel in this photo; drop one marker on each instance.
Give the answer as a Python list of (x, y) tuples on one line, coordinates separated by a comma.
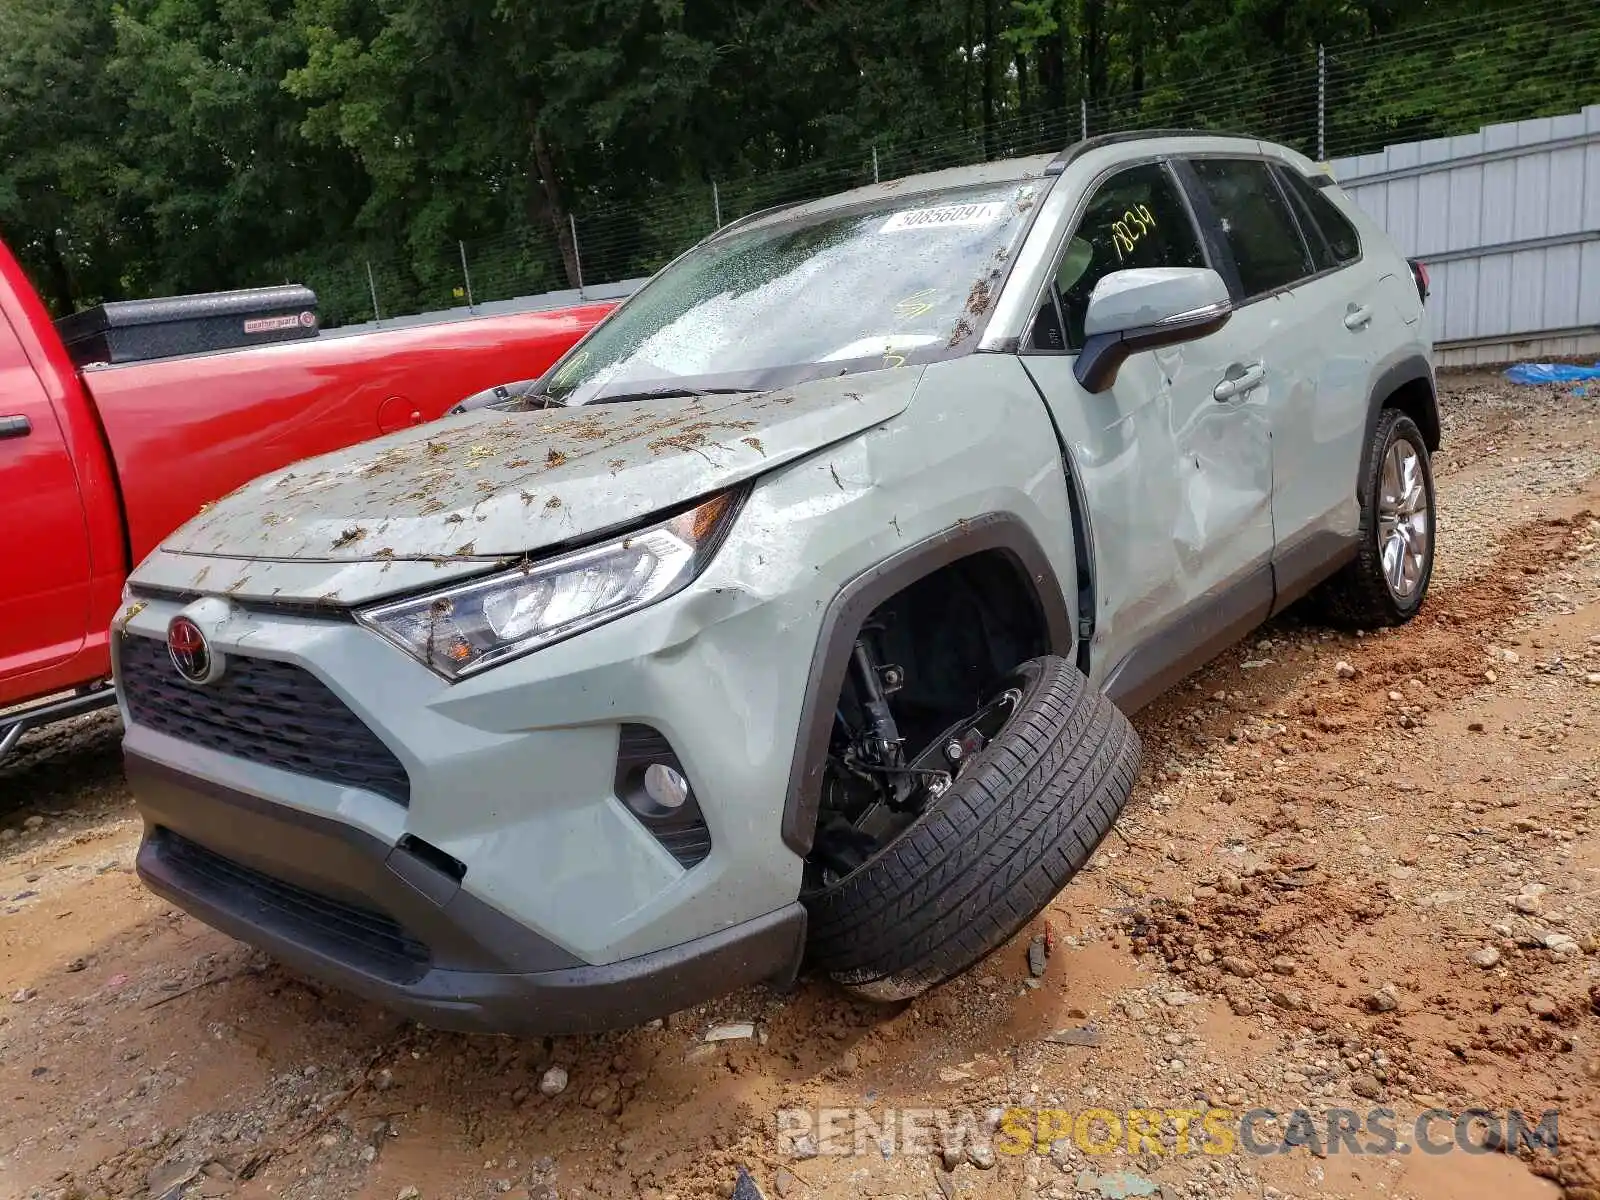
[(1051, 765)]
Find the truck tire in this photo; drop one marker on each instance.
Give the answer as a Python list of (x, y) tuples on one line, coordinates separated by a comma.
[(1365, 593), (985, 857)]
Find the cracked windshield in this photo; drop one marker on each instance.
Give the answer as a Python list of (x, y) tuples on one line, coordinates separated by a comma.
[(900, 281)]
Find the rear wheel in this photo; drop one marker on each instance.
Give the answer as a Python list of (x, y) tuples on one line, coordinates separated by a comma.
[(1388, 580), (1005, 806)]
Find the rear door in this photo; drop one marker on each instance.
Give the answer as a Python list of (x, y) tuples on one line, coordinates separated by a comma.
[(1289, 318), (1351, 314), (44, 541)]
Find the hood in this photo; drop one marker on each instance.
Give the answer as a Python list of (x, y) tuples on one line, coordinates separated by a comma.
[(448, 498)]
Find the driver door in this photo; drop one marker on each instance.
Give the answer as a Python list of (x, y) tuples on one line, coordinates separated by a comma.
[(1176, 474)]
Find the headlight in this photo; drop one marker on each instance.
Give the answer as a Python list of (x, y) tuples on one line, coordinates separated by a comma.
[(471, 627)]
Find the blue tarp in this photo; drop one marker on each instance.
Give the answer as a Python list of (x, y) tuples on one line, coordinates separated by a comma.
[(1552, 373)]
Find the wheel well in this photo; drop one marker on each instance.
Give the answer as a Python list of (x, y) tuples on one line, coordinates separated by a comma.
[(1415, 398), (955, 633), (968, 603)]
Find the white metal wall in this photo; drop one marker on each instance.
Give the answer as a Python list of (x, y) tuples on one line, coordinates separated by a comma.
[(1508, 221)]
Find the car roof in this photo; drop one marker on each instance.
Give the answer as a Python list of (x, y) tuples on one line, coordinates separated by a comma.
[(1005, 170)]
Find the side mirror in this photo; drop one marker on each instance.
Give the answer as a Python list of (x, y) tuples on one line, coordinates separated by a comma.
[(1141, 309)]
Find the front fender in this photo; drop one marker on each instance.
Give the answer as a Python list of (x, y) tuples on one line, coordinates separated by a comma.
[(971, 466)]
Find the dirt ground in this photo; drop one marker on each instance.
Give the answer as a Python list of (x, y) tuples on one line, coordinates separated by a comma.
[(1357, 872)]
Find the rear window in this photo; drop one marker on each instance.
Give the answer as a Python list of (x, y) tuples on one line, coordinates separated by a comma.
[(1256, 222), (902, 280), (1343, 244)]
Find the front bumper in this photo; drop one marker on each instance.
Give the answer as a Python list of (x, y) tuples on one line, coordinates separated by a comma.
[(374, 919)]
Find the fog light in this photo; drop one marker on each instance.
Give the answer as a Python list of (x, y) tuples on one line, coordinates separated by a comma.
[(652, 783), (665, 786)]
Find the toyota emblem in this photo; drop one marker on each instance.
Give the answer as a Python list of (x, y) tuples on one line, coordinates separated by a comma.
[(190, 652)]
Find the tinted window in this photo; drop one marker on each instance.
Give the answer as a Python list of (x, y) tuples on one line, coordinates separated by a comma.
[(1136, 219), (1257, 224), (1321, 252), (1344, 244)]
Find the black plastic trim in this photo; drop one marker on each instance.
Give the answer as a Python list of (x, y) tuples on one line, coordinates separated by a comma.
[(1190, 639), (485, 972), (1103, 354), (1408, 370), (1205, 217), (1298, 568), (683, 833), (855, 601), (317, 610)]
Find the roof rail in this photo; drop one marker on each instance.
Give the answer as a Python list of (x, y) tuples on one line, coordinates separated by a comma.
[(740, 222), (1063, 160)]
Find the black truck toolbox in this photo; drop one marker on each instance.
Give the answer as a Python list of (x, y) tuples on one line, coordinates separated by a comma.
[(126, 331)]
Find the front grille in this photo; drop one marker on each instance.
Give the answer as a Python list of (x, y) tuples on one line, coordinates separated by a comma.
[(367, 940), (263, 711)]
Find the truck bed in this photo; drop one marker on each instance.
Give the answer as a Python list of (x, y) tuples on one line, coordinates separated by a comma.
[(186, 431)]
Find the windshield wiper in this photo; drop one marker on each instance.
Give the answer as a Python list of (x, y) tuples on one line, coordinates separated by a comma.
[(667, 393)]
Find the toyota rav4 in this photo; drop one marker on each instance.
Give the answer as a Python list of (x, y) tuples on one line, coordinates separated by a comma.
[(791, 617)]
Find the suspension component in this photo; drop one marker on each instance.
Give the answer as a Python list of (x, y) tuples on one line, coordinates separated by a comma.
[(882, 736)]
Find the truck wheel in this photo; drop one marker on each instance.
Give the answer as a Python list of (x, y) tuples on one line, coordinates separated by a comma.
[(1386, 583), (986, 855)]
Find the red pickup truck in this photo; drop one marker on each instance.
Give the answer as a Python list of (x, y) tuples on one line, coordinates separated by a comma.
[(98, 463)]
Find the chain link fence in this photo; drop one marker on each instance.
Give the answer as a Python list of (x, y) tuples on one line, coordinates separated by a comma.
[(1447, 78)]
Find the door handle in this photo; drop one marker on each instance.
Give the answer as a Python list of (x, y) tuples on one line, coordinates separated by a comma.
[(1237, 385), (1357, 317), (15, 427)]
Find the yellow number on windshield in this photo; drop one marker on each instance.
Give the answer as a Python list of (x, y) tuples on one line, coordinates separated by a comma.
[(569, 369), (917, 304)]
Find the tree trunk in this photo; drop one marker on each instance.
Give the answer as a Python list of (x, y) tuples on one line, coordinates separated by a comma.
[(966, 70), (991, 59), (545, 203), (1021, 61), (61, 293), (1092, 48), (1052, 73), (1053, 61)]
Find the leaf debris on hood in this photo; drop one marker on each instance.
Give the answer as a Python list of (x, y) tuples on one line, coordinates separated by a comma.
[(609, 464)]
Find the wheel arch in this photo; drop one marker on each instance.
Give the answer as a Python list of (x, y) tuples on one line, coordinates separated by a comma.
[(1408, 386), (1000, 539)]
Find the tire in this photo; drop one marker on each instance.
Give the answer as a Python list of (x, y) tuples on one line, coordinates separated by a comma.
[(986, 856), (1361, 596)]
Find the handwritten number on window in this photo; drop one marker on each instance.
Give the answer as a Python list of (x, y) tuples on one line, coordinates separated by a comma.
[(1135, 223)]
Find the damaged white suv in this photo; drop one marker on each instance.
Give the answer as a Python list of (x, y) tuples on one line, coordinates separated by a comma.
[(789, 617)]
